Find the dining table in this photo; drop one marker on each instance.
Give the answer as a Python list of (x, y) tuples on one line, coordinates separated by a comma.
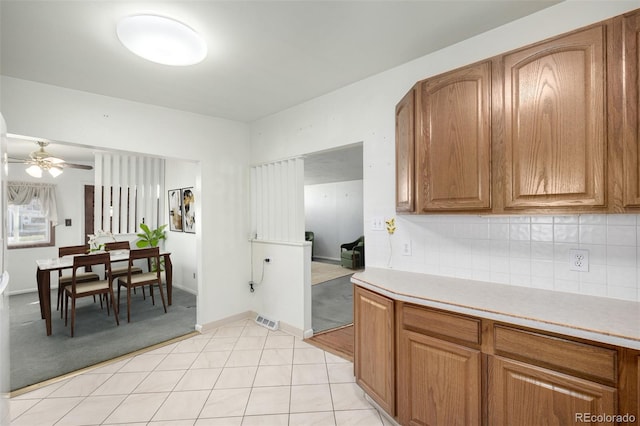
[(46, 266)]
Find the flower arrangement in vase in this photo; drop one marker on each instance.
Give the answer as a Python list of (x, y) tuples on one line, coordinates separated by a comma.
[(98, 240), (391, 229)]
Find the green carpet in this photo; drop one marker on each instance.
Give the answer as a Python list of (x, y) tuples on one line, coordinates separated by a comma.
[(332, 304), (36, 357)]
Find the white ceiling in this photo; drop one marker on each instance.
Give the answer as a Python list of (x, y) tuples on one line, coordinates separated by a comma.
[(337, 165), (264, 56)]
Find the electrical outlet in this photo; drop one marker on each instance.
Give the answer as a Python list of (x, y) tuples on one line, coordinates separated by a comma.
[(406, 248), (579, 260)]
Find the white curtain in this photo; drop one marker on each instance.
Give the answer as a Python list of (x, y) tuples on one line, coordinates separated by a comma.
[(128, 192), (20, 193), (277, 195)]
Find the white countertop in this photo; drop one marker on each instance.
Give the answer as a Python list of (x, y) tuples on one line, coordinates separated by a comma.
[(599, 319)]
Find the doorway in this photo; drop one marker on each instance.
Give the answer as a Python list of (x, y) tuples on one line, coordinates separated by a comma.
[(30, 349), (333, 194)]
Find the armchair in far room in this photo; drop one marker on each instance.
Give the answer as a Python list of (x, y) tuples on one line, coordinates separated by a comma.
[(309, 236), (352, 254)]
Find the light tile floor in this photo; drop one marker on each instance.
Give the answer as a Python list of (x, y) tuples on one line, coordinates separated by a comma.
[(238, 374)]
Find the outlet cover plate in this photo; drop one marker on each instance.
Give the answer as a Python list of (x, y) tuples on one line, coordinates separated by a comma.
[(406, 248), (579, 260)]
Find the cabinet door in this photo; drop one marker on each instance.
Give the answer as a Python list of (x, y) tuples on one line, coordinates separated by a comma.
[(439, 382), (454, 141), (523, 394), (631, 107), (554, 117), (405, 154), (374, 356)]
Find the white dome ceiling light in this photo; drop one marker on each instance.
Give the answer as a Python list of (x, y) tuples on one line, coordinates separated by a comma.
[(161, 40)]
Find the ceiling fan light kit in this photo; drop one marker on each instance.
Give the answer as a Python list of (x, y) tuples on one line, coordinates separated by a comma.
[(41, 160), (161, 40), (34, 171)]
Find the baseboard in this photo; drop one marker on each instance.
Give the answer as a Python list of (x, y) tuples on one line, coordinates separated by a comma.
[(203, 328), (294, 331), (333, 259), (287, 328), (187, 289), (35, 290)]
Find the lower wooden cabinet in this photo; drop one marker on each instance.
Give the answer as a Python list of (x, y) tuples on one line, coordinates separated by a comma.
[(374, 360), (439, 382), (432, 367), (524, 394)]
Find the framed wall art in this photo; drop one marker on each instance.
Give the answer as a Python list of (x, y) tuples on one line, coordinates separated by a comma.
[(175, 210), (188, 210)]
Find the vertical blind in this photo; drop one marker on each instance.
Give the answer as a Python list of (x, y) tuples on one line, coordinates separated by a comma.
[(128, 192), (277, 198)]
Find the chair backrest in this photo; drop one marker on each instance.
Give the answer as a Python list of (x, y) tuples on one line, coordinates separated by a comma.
[(69, 250), (117, 245), (152, 254), (89, 260)]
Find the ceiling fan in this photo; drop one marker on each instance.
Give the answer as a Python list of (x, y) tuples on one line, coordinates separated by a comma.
[(41, 160)]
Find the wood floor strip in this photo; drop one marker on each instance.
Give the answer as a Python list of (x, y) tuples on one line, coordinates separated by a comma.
[(338, 341)]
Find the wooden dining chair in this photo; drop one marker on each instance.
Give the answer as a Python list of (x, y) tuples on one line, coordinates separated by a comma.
[(65, 280), (98, 287), (121, 271), (151, 278)]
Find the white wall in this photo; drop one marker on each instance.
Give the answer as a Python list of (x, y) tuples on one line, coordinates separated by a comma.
[(280, 293), (334, 212), (182, 245), (526, 250), (219, 149)]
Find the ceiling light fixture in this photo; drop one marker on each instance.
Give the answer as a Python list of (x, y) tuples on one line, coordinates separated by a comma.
[(41, 160), (35, 170), (161, 40)]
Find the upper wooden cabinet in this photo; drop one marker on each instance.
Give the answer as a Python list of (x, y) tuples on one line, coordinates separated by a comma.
[(549, 128), (630, 104), (405, 154), (555, 121), (454, 140)]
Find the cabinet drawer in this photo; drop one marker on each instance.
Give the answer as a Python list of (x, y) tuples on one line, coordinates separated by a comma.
[(554, 352), (441, 324)]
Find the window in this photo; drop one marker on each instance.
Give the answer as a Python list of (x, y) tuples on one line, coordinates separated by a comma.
[(29, 226), (31, 215)]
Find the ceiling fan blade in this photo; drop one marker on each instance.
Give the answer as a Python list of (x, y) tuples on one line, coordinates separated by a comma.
[(75, 166), (53, 160)]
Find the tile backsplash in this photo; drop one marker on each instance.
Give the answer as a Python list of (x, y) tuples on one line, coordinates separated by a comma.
[(530, 251)]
